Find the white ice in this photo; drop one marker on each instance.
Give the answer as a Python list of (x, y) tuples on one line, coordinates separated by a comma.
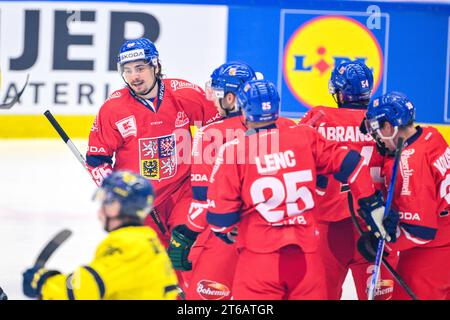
[(43, 189)]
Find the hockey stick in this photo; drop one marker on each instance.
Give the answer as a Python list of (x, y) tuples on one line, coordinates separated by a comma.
[(155, 216), (66, 139), (376, 270), (16, 98), (394, 273), (51, 246)]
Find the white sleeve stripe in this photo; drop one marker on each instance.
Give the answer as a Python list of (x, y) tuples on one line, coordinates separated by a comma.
[(217, 229), (195, 225), (319, 192), (356, 172)]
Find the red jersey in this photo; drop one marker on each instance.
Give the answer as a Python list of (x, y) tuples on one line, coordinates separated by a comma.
[(206, 143), (342, 125), (151, 138), (422, 191), (272, 193)]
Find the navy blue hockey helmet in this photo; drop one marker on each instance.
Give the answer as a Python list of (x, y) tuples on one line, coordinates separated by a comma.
[(228, 78), (138, 49), (393, 107), (133, 192), (353, 79), (259, 100)]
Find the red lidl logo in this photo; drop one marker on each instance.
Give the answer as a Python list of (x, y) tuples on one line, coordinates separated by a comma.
[(316, 46)]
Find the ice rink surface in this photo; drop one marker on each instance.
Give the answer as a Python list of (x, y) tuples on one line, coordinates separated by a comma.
[(43, 189)]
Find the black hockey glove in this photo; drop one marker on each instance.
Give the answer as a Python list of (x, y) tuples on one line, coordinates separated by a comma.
[(180, 245), (371, 209), (368, 245), (390, 224)]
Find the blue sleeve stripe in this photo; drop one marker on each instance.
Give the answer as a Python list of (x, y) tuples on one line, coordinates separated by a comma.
[(422, 232), (222, 219), (348, 165), (170, 288), (98, 279), (70, 294), (322, 181), (95, 161), (199, 193)]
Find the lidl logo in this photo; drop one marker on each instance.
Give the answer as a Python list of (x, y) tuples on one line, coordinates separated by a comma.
[(314, 47)]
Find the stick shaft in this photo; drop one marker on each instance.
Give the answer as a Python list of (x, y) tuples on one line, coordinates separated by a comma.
[(378, 258)]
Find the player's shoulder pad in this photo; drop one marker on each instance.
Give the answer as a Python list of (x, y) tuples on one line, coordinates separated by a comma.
[(433, 136), (285, 122), (116, 98)]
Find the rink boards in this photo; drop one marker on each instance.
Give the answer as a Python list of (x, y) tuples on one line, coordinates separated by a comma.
[(69, 49)]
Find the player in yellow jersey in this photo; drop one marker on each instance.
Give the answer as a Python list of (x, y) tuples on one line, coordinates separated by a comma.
[(130, 263)]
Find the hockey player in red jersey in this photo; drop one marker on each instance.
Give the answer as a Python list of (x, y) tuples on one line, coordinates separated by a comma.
[(270, 197), (421, 197), (145, 127), (351, 84), (213, 258)]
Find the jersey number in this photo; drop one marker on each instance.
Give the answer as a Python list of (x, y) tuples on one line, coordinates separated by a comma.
[(268, 207)]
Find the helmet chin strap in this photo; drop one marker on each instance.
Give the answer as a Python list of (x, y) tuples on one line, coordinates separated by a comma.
[(106, 226), (227, 112), (391, 138)]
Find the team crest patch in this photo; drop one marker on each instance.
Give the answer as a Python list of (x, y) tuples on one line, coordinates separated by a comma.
[(157, 157), (127, 127)]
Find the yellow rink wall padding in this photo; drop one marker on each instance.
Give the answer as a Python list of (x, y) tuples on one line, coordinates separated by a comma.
[(37, 126), (77, 126)]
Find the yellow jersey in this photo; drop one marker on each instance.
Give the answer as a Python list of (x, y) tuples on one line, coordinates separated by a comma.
[(130, 263)]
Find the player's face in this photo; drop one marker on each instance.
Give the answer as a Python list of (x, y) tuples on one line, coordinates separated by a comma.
[(108, 210), (140, 76), (215, 95)]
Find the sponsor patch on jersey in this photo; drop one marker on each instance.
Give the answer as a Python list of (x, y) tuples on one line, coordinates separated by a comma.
[(196, 177), (181, 120), (212, 290), (127, 127), (406, 171), (384, 287), (94, 149), (157, 157), (95, 125), (178, 84)]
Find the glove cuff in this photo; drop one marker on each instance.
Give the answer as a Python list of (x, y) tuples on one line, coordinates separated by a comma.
[(372, 202)]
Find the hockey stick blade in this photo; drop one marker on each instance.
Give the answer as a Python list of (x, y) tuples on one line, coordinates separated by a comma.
[(10, 104), (51, 246)]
